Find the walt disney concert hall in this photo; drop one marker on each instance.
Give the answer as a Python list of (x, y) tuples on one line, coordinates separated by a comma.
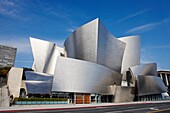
[(93, 66)]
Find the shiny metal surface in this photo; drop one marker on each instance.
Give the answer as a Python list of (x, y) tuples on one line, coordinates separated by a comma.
[(109, 90), (45, 56), (41, 53), (73, 75), (82, 43), (38, 87), (148, 85), (110, 50), (149, 69), (35, 76), (144, 69), (131, 55), (93, 42), (124, 94), (50, 66), (38, 83), (94, 61)]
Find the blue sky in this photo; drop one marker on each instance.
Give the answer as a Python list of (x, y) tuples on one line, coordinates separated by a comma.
[(54, 20)]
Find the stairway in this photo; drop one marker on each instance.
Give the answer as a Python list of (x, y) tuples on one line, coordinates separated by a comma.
[(4, 94)]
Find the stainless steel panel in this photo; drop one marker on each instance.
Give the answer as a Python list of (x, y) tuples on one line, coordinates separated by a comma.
[(45, 55), (95, 60), (110, 50), (124, 94), (131, 55), (34, 76), (82, 43), (73, 75), (144, 69), (41, 53), (38, 83), (38, 87), (148, 85), (92, 42)]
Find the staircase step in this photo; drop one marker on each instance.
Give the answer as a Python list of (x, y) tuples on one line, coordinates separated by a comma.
[(4, 96)]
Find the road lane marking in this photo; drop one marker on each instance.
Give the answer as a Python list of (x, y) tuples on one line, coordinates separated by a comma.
[(131, 107), (100, 107), (154, 108), (159, 110)]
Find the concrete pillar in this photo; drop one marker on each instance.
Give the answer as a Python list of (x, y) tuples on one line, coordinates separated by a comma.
[(161, 76), (99, 98), (95, 98), (74, 98), (90, 98), (166, 77), (83, 98), (163, 79)]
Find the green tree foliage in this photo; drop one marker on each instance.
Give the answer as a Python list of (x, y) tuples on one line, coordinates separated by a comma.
[(4, 71)]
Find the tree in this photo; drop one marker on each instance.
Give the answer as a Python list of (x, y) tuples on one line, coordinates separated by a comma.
[(4, 71)]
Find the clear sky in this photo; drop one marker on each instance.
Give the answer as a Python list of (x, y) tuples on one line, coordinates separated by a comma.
[(54, 20)]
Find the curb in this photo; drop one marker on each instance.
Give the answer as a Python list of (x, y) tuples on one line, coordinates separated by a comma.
[(77, 107)]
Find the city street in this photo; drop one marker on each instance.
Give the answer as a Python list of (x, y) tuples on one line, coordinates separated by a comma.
[(133, 108)]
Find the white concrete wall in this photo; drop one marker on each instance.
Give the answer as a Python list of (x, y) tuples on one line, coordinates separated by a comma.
[(14, 81)]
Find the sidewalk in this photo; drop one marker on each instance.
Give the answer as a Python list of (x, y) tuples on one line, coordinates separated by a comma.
[(16, 108)]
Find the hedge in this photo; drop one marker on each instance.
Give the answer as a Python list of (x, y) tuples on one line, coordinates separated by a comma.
[(40, 99)]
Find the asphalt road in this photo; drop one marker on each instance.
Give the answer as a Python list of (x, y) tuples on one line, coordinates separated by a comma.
[(138, 108)]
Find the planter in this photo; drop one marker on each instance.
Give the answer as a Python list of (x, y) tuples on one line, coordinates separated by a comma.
[(39, 102)]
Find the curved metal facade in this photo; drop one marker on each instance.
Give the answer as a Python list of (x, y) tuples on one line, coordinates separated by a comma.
[(45, 56), (93, 42), (148, 85), (38, 87), (131, 55), (144, 69), (82, 43), (73, 75), (41, 53), (110, 50), (35, 76), (38, 83), (93, 62)]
